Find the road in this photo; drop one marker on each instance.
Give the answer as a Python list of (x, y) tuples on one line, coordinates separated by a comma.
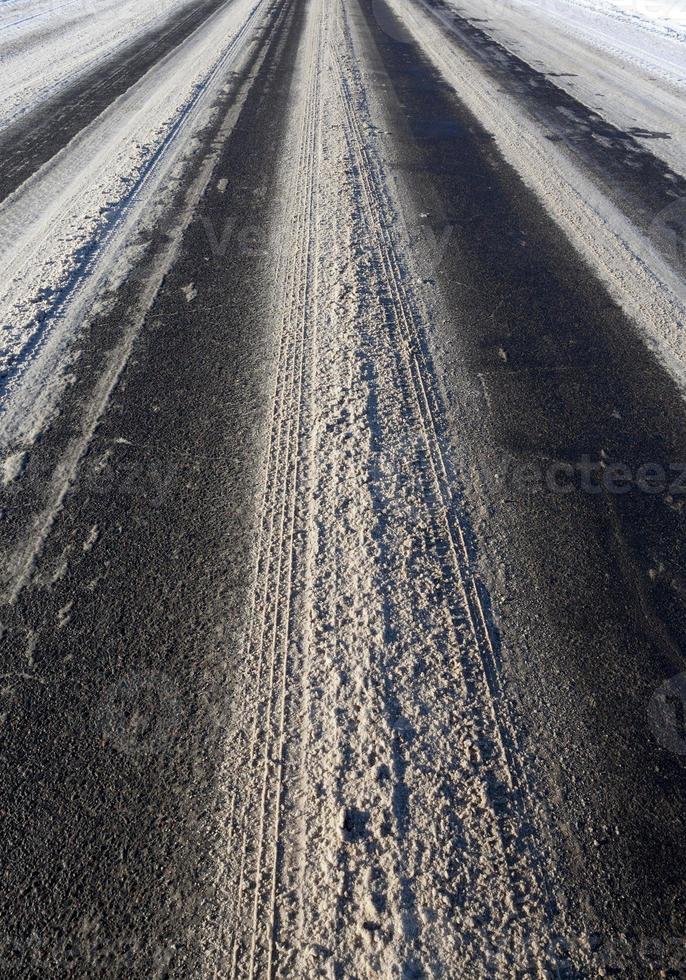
[(344, 462)]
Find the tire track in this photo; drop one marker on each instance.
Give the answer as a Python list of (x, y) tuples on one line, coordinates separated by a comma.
[(253, 947), (383, 825), (417, 373)]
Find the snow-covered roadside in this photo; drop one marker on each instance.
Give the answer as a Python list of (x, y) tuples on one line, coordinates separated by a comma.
[(69, 229), (609, 56), (666, 17), (46, 44), (637, 276)]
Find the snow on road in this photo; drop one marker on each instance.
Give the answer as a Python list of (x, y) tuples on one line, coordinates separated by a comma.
[(382, 812), (611, 57), (630, 261), (383, 776), (68, 228), (45, 45)]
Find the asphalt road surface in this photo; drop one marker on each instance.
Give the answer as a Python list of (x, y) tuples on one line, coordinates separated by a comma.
[(342, 532)]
